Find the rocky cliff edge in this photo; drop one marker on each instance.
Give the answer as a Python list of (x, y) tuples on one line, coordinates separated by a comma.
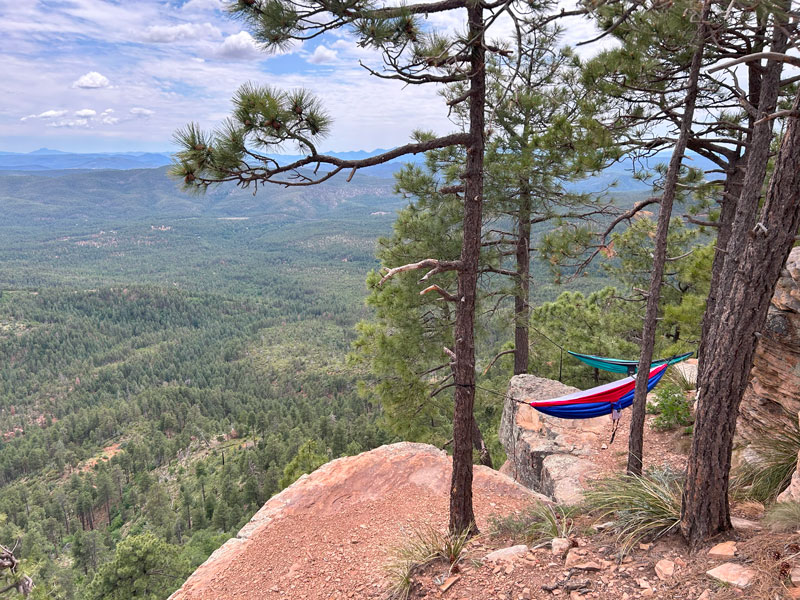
[(330, 534)]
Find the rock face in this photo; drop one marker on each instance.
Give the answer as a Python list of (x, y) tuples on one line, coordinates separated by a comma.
[(328, 534), (548, 455), (772, 400)]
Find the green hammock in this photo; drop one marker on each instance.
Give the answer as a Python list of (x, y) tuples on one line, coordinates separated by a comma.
[(617, 365)]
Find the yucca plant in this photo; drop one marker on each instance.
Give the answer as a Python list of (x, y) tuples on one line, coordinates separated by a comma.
[(784, 517), (540, 521), (645, 507), (767, 475), (685, 379), (424, 546)]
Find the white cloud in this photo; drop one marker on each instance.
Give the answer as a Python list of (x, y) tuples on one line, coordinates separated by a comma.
[(107, 111), (85, 112), (165, 34), (70, 123), (238, 46), (92, 80), (48, 114), (323, 55), (138, 111), (203, 5)]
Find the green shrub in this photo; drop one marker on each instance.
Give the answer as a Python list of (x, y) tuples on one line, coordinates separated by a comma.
[(540, 521), (673, 409), (641, 507), (769, 473)]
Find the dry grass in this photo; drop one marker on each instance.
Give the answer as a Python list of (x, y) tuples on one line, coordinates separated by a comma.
[(772, 557)]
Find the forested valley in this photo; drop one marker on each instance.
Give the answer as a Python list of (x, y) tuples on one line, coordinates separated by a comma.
[(161, 379), (165, 375), (172, 359)]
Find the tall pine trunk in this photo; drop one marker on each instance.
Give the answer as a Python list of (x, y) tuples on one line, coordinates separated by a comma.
[(636, 439), (740, 314), (462, 517), (522, 311)]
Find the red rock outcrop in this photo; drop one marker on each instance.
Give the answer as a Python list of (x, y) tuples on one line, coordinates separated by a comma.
[(329, 534), (552, 456), (772, 400)]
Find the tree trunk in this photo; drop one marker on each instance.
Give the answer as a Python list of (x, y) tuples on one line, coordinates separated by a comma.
[(636, 439), (480, 445), (462, 517), (743, 207), (521, 299), (740, 315)]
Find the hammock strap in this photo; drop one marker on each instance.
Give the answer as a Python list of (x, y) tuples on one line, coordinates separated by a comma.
[(615, 414)]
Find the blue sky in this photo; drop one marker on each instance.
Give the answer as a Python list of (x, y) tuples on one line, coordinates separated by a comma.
[(99, 75)]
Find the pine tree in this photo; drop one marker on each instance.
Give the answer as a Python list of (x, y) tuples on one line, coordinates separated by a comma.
[(264, 118)]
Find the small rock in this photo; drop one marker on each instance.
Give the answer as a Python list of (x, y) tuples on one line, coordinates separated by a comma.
[(706, 595), (643, 583), (604, 446), (648, 592), (509, 569), (665, 569), (794, 593), (604, 526), (732, 574), (448, 583), (645, 546), (526, 594), (794, 574), (572, 558), (560, 546), (507, 554), (723, 550)]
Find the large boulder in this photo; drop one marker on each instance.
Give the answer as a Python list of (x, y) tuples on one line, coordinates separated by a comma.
[(772, 400), (330, 534), (551, 456)]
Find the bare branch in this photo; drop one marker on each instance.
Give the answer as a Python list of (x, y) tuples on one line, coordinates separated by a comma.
[(443, 293), (494, 360), (435, 266), (779, 56)]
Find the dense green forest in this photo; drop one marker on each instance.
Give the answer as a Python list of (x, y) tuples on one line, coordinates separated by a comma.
[(163, 377)]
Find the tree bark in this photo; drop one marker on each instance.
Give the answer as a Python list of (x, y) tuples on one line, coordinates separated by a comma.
[(747, 187), (462, 517), (477, 441), (521, 299), (636, 439), (740, 315)]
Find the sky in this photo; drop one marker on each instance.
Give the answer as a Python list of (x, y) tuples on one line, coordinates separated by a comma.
[(122, 76)]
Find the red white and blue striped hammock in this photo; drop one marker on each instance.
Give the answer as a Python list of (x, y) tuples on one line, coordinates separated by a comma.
[(597, 401)]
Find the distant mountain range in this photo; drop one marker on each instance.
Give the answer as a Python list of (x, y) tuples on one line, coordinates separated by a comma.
[(46, 159), (74, 197), (48, 186)]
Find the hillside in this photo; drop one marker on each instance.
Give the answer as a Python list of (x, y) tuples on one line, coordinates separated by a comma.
[(111, 195)]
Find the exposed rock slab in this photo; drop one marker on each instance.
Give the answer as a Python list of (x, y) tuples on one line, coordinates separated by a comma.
[(302, 538), (733, 574), (772, 400), (548, 455), (507, 554)]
